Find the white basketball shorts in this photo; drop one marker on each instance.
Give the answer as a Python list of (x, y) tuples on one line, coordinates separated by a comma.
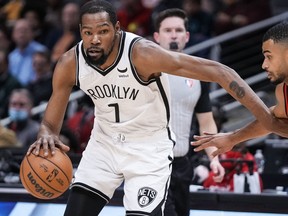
[(143, 164)]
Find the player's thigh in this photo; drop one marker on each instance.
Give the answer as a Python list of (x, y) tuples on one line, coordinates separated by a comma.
[(97, 170), (147, 178)]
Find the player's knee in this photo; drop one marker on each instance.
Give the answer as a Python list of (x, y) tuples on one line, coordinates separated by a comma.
[(83, 202)]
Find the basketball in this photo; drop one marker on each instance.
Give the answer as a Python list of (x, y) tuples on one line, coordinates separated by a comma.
[(46, 177)]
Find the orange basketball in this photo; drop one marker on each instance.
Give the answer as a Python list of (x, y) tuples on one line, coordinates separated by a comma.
[(46, 177)]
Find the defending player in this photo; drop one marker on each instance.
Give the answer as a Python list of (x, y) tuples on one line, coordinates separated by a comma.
[(275, 51)]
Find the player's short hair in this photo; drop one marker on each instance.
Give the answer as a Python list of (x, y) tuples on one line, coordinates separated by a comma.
[(171, 12), (277, 33), (97, 6)]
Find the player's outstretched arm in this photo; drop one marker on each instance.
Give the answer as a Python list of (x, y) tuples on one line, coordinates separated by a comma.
[(157, 60)]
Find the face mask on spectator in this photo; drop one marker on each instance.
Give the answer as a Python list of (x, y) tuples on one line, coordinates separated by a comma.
[(18, 114)]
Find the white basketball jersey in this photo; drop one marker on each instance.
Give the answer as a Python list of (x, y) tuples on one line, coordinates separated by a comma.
[(125, 105)]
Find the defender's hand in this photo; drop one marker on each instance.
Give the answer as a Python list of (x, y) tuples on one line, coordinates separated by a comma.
[(222, 141)]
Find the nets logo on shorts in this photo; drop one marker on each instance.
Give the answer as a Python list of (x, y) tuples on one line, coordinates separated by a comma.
[(146, 196)]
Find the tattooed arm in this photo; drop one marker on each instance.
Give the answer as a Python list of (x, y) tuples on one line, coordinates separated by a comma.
[(226, 141), (146, 52)]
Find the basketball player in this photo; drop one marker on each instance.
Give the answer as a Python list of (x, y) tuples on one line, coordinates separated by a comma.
[(275, 51), (131, 140), (187, 96)]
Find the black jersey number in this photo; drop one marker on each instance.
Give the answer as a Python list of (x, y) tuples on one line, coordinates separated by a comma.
[(116, 106)]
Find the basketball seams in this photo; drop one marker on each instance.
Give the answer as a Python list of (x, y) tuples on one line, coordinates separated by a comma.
[(34, 171), (61, 168), (24, 179), (50, 176), (64, 173)]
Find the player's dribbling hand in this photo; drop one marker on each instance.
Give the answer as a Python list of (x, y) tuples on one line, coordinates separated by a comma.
[(48, 143)]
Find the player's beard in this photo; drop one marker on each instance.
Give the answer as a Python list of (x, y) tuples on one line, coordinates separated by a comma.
[(103, 57), (278, 79)]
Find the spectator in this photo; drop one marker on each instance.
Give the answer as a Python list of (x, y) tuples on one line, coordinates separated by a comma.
[(234, 162), (134, 17), (10, 12), (7, 84), (20, 59), (9, 167), (81, 123), (238, 13), (150, 3), (211, 6), (200, 24), (20, 105), (53, 12), (5, 42), (62, 38), (35, 14), (8, 138), (41, 87)]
